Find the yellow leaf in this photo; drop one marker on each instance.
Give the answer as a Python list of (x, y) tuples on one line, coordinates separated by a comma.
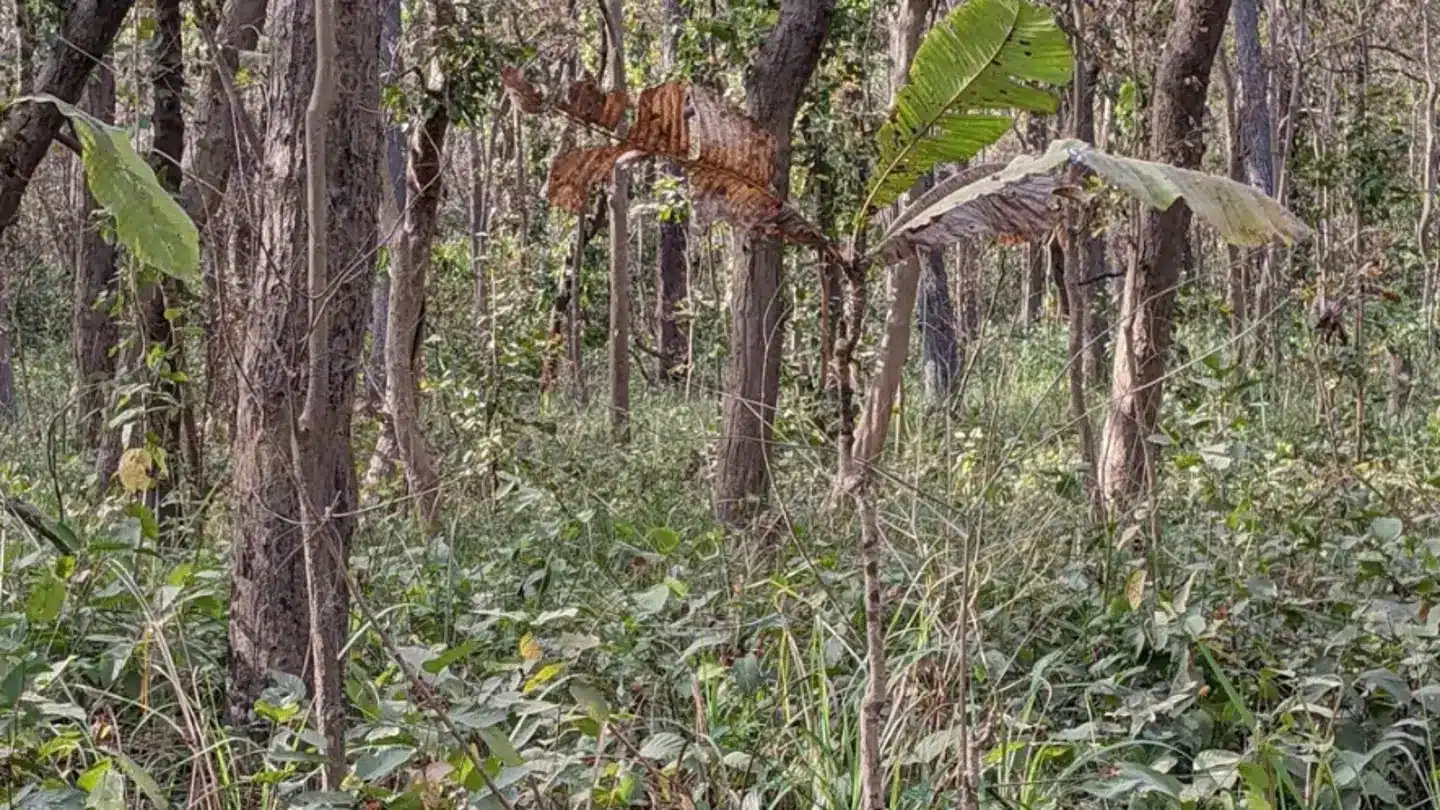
[(530, 648), (1135, 588), (546, 674), (134, 472)]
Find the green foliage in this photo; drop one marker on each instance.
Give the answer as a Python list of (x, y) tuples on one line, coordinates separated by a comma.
[(148, 221), (983, 56)]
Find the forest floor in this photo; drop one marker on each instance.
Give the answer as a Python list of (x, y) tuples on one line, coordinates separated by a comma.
[(1260, 632)]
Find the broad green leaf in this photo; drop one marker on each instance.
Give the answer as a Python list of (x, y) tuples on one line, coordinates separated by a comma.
[(1135, 588), (46, 600), (651, 600), (450, 656), (148, 221), (144, 781), (592, 700), (1242, 215), (1009, 202), (984, 55), (500, 746), (108, 792), (379, 764)]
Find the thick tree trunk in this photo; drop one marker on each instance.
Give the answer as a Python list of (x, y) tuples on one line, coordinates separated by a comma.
[(407, 302), (619, 251), (773, 87), (93, 329), (269, 616), (1177, 137)]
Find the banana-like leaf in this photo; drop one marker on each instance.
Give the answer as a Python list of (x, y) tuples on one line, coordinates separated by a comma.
[(982, 202), (148, 221), (1018, 201), (985, 55), (1242, 215)]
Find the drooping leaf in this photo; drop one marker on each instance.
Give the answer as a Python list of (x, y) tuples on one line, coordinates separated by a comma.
[(46, 599), (979, 202), (1241, 214), (984, 55), (144, 781), (148, 221), (592, 700), (585, 101), (575, 172), (498, 742), (729, 159)]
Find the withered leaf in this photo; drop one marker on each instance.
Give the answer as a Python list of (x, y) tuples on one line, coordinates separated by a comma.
[(585, 101), (522, 90), (576, 172)]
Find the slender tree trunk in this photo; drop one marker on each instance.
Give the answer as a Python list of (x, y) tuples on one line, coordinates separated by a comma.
[(407, 302), (269, 604), (393, 201), (619, 250), (1037, 255), (25, 51), (94, 332), (1424, 228), (773, 87), (158, 302), (672, 278), (1255, 141), (1177, 136), (936, 320)]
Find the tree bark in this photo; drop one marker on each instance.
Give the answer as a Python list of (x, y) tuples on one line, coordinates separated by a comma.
[(27, 129), (619, 250), (94, 332), (407, 301), (1144, 333), (1255, 142), (672, 279), (159, 300), (219, 143), (936, 320), (773, 87), (268, 604)]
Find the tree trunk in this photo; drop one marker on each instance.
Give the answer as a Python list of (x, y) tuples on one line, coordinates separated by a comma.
[(393, 199), (159, 300), (218, 142), (93, 330), (1037, 255), (619, 250), (269, 615), (773, 87), (27, 129), (407, 302), (672, 278), (937, 314), (1177, 137), (1256, 150)]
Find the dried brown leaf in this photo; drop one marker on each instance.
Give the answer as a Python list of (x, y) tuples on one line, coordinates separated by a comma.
[(576, 172), (522, 90), (660, 125), (585, 101), (979, 202)]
